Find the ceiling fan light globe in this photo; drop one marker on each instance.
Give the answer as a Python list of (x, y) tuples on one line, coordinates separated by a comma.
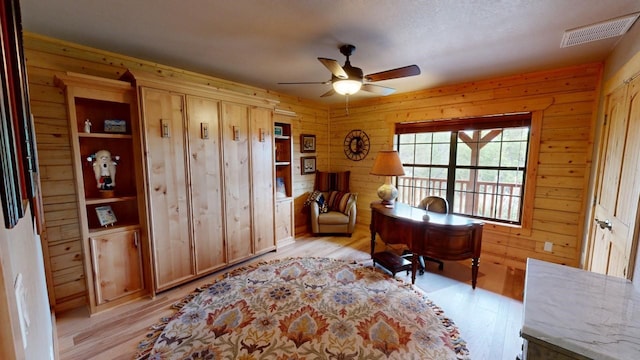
[(347, 87)]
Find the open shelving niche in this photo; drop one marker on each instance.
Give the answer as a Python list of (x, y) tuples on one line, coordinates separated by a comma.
[(113, 254), (283, 162)]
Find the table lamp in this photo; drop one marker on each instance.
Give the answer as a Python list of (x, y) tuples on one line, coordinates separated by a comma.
[(387, 164)]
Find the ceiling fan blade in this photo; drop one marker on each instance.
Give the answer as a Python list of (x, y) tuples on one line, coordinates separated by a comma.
[(334, 67), (410, 70), (305, 82), (377, 89), (328, 93)]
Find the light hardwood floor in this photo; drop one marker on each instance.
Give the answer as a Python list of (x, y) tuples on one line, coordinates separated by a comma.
[(488, 317)]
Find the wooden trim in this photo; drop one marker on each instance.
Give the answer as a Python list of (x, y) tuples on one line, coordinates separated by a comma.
[(153, 80), (473, 123)]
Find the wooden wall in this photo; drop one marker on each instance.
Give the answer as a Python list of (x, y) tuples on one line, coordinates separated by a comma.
[(567, 100), (47, 57)]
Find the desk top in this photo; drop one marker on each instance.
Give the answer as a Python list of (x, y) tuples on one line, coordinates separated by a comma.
[(589, 314), (406, 212)]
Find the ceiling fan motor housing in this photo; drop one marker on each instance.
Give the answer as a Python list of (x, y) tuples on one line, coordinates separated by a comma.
[(348, 79)]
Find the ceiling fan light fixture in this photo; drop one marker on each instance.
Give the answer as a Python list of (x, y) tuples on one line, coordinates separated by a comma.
[(347, 86)]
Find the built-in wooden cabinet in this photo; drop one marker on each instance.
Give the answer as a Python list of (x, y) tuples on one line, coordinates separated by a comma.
[(205, 169), (209, 172), (106, 159), (262, 189), (283, 145), (167, 192)]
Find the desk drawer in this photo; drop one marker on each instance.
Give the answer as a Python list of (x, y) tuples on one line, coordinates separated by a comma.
[(393, 231), (447, 243)]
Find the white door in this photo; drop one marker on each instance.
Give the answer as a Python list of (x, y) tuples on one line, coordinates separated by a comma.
[(613, 228)]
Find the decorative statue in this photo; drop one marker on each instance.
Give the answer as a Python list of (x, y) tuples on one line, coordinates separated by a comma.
[(87, 126), (104, 169)]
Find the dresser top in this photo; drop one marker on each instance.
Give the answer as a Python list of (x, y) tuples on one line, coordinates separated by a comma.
[(589, 314)]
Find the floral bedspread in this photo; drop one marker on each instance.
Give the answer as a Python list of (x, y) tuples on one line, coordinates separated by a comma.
[(305, 308)]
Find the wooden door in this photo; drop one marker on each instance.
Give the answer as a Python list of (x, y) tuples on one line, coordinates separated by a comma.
[(117, 265), (614, 228), (206, 183), (237, 190), (166, 172), (262, 180)]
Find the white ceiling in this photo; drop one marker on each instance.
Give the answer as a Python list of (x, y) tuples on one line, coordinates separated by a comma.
[(263, 42)]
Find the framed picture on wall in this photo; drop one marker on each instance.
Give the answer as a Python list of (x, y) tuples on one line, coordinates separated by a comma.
[(307, 143), (278, 131), (308, 165), (18, 164)]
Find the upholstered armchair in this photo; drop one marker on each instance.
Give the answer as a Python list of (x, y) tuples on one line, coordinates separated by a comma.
[(333, 208), (334, 220)]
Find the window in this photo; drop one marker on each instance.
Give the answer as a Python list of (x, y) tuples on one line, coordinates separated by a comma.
[(478, 165)]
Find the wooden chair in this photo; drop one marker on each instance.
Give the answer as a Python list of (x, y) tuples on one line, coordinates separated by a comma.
[(435, 204)]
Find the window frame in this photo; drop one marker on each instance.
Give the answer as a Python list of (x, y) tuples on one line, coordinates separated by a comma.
[(484, 122)]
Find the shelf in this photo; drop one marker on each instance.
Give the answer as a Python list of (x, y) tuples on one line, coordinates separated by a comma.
[(98, 201), (105, 136), (112, 229), (283, 163), (282, 199), (282, 137)]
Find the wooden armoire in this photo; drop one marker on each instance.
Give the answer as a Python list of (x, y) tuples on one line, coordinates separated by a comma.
[(208, 164)]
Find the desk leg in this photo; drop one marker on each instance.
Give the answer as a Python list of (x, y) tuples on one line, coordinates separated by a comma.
[(414, 267), (475, 262), (373, 242)]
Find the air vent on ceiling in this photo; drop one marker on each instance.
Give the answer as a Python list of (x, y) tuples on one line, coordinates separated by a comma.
[(599, 31)]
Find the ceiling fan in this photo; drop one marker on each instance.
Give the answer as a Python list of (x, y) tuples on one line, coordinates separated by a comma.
[(348, 79)]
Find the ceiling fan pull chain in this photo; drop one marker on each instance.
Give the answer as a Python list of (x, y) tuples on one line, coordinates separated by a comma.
[(347, 103)]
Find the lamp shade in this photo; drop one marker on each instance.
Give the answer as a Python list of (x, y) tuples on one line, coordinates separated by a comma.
[(347, 87), (387, 163)]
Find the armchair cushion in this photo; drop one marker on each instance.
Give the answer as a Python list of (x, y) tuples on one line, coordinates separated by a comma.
[(339, 201)]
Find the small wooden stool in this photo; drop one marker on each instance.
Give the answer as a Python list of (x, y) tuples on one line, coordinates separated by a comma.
[(391, 262)]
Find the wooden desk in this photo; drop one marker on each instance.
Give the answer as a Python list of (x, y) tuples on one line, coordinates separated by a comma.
[(444, 236)]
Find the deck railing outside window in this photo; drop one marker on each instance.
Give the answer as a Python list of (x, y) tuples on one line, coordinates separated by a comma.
[(490, 200)]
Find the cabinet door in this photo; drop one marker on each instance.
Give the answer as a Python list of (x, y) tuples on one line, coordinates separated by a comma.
[(235, 139), (166, 176), (262, 179), (284, 222), (117, 265), (206, 183)]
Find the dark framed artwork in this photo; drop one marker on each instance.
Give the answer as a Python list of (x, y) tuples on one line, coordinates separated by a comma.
[(308, 165), (307, 143), (17, 152)]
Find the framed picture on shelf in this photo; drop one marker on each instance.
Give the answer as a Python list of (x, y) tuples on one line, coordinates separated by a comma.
[(115, 126), (277, 131), (106, 215), (308, 165), (307, 143)]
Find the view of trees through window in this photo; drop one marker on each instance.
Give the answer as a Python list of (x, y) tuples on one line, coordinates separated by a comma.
[(480, 172)]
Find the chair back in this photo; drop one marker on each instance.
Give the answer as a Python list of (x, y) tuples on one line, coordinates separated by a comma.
[(435, 203)]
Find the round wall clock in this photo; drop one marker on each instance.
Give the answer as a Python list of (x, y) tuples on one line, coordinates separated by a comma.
[(356, 145)]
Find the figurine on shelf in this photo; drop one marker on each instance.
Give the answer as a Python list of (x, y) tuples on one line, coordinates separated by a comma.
[(87, 126), (104, 169)]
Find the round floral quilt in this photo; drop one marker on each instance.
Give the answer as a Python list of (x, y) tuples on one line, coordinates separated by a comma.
[(305, 308)]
